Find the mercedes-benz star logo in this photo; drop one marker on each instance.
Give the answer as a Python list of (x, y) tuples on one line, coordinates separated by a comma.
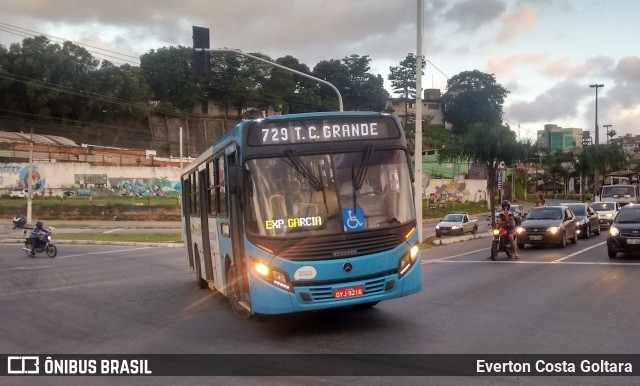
[(347, 267)]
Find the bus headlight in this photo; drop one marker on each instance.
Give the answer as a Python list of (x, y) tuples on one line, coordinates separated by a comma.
[(273, 276), (407, 260)]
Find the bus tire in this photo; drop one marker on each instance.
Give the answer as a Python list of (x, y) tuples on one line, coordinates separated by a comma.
[(234, 292)]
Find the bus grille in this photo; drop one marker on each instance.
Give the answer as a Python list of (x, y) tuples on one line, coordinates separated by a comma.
[(339, 249), (371, 287)]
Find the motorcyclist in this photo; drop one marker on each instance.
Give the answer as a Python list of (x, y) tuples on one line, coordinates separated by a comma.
[(18, 221), (507, 221), (36, 232)]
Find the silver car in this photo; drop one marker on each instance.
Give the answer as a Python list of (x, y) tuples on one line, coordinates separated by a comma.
[(607, 211)]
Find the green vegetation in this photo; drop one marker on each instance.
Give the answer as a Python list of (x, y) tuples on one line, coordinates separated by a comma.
[(7, 202), (123, 237), (449, 207)]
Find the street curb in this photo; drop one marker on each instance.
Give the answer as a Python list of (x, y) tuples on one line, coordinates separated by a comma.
[(452, 240), (95, 242)]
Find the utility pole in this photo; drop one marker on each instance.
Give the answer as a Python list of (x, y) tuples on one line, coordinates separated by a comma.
[(606, 131), (597, 86), (418, 139), (29, 181)]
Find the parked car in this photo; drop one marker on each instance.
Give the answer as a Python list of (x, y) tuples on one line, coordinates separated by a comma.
[(548, 225), (19, 193), (607, 211), (624, 234), (588, 219), (457, 224)]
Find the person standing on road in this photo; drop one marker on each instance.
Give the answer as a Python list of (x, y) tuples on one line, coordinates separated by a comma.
[(541, 201), (508, 222)]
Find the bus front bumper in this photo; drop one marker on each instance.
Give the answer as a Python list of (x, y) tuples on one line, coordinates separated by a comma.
[(269, 299)]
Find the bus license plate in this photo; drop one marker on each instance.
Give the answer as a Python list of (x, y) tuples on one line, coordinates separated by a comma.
[(633, 241), (348, 292), (535, 237)]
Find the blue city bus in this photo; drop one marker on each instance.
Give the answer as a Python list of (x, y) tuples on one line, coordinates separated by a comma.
[(303, 212)]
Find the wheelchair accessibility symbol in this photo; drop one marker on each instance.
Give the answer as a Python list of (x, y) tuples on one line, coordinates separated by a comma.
[(353, 219)]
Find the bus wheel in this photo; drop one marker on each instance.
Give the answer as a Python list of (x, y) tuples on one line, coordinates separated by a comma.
[(234, 292)]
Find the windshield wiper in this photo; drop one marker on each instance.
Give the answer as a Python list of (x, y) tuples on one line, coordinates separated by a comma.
[(304, 170), (362, 170), (357, 179)]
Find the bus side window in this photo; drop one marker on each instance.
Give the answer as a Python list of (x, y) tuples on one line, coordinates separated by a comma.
[(195, 191), (186, 197), (221, 188), (211, 188)]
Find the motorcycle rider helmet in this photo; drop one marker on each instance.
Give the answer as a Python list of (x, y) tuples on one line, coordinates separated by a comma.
[(506, 203), (39, 224)]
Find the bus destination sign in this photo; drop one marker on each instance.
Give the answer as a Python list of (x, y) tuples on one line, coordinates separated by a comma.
[(279, 133)]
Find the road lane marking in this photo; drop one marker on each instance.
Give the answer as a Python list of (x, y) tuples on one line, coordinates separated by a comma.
[(28, 268), (103, 252), (112, 230), (533, 262), (578, 252), (451, 257)]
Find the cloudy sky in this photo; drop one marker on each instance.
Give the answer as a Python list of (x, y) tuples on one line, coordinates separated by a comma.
[(545, 52)]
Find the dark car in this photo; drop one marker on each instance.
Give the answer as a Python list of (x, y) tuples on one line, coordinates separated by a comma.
[(588, 219), (548, 225), (624, 234)]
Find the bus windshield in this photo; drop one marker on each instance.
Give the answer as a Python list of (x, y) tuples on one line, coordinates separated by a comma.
[(295, 195), (617, 191)]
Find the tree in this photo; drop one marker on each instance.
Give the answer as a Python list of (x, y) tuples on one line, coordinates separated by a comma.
[(289, 92), (600, 160), (403, 80), (487, 145), (168, 73), (363, 91), (360, 89), (473, 97)]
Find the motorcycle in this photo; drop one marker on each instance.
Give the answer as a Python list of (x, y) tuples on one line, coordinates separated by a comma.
[(44, 243), (19, 222), (501, 242)]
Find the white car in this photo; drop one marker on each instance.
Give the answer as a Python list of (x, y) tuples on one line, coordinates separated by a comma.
[(21, 193), (607, 211)]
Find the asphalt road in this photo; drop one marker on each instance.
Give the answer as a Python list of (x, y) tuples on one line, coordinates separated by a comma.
[(108, 299)]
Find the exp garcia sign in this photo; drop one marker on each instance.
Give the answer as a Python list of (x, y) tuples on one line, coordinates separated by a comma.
[(294, 223), (326, 130)]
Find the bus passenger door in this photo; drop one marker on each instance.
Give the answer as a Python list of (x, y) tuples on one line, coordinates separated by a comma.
[(203, 176), (233, 189)]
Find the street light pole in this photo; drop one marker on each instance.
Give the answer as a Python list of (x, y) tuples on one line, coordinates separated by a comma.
[(596, 86), (418, 129)]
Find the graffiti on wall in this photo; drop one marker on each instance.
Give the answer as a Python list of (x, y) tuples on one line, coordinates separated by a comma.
[(453, 191), (84, 181), (140, 187), (458, 191), (95, 185), (21, 177)]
